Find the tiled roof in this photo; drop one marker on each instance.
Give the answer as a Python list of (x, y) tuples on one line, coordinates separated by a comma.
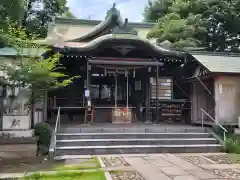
[(225, 63)]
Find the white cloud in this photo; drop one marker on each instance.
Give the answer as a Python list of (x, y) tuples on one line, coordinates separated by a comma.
[(97, 9)]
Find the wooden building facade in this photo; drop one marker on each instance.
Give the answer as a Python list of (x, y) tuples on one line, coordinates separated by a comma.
[(124, 77)]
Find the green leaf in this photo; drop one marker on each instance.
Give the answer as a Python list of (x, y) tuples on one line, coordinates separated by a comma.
[(40, 75)]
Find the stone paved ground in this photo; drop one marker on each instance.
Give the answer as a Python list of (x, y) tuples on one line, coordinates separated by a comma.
[(173, 167), (164, 167)]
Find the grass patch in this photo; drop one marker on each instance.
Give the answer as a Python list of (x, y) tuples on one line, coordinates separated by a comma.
[(73, 167), (232, 144), (225, 158), (235, 158), (116, 171), (88, 164), (97, 175)]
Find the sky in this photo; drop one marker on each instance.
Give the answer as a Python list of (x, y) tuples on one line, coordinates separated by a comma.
[(97, 9)]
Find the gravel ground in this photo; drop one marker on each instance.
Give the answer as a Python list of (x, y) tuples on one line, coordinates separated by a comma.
[(225, 159), (126, 175), (25, 164), (230, 174), (114, 161), (197, 160)]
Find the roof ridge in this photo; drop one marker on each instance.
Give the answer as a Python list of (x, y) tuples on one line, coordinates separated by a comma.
[(94, 21)]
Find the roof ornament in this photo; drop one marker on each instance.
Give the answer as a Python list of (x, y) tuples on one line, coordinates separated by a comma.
[(113, 10), (125, 29), (125, 23)]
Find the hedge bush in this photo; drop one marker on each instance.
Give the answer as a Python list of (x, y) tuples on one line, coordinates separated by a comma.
[(43, 131)]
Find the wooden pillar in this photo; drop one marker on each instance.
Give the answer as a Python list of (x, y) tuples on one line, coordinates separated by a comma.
[(147, 100), (88, 87), (127, 93), (112, 94), (116, 93), (87, 83), (45, 107), (100, 89), (1, 113), (32, 109), (3, 95), (54, 102), (157, 88)]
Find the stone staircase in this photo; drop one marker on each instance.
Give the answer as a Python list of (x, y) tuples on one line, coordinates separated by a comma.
[(134, 140)]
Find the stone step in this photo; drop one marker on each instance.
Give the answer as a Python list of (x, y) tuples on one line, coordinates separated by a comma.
[(144, 141), (123, 129), (136, 149), (61, 136)]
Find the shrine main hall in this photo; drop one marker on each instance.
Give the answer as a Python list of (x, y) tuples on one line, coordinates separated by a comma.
[(127, 78)]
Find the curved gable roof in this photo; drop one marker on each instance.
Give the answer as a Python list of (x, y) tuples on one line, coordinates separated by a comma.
[(126, 38), (112, 19)]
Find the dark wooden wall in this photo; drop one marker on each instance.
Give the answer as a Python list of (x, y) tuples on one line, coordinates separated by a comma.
[(201, 98)]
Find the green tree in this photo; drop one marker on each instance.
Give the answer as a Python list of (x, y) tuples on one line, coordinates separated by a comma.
[(224, 31), (179, 31), (156, 9), (39, 13), (37, 74), (13, 9), (209, 23), (34, 15)]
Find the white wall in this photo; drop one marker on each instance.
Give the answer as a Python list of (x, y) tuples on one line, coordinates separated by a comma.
[(72, 31), (69, 32), (227, 97)]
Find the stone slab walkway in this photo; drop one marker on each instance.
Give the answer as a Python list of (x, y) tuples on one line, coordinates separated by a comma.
[(169, 167), (176, 166)]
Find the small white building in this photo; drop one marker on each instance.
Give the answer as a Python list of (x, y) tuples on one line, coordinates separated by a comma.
[(216, 88)]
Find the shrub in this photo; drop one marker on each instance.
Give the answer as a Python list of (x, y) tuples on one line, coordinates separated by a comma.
[(44, 133), (232, 145)]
